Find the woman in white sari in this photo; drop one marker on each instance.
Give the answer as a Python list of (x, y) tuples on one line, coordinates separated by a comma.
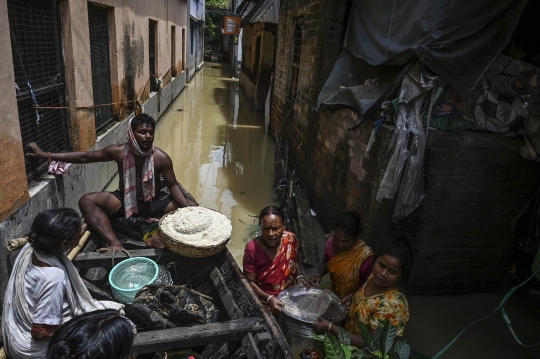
[(45, 290)]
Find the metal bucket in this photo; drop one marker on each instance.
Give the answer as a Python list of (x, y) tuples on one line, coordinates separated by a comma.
[(301, 345), (297, 318)]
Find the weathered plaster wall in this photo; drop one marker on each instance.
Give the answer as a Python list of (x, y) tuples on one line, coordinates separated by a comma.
[(78, 69), (255, 77), (476, 184), (13, 184), (195, 59)]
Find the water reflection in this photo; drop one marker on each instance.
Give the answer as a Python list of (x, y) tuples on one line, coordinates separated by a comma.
[(219, 150)]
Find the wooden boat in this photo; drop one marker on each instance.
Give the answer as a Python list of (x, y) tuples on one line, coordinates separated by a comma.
[(245, 329)]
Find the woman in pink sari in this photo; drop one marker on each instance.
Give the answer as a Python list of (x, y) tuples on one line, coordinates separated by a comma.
[(271, 260)]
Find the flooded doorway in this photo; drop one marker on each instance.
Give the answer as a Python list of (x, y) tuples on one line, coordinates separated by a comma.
[(220, 151)]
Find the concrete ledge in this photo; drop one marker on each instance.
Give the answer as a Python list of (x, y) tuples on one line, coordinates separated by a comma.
[(65, 191)]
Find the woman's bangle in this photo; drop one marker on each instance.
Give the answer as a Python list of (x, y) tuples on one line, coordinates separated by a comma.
[(269, 297), (299, 277), (317, 274), (329, 327)]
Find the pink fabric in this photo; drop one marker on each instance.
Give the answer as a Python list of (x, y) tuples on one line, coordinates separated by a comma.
[(255, 260), (273, 276), (365, 269), (58, 168), (130, 173)]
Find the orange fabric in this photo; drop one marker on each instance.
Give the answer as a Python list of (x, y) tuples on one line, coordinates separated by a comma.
[(344, 268), (284, 269)]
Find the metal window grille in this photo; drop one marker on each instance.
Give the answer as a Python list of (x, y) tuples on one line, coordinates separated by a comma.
[(98, 23), (295, 58), (152, 53), (36, 46)]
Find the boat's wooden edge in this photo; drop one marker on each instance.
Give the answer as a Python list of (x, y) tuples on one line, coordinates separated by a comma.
[(178, 338), (268, 317), (94, 259)]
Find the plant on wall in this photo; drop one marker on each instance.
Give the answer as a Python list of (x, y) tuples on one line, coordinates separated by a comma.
[(382, 345)]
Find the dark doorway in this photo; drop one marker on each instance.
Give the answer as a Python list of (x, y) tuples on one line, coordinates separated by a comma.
[(98, 23), (36, 47), (152, 53), (184, 49), (173, 51)]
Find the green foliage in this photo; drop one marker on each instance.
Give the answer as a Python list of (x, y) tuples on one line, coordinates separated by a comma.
[(380, 345), (212, 32), (333, 348), (217, 4), (344, 336)]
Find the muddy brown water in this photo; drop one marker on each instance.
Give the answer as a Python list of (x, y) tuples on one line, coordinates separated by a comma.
[(220, 150)]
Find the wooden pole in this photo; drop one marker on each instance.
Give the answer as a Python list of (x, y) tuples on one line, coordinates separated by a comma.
[(81, 244)]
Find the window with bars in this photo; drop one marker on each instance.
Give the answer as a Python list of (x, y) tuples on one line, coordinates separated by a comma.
[(295, 58), (36, 46), (98, 23), (152, 40)]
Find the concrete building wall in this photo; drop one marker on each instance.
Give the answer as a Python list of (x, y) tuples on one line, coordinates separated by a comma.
[(128, 26), (476, 184), (13, 184)]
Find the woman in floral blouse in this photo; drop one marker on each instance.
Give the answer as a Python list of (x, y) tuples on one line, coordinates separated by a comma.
[(378, 299)]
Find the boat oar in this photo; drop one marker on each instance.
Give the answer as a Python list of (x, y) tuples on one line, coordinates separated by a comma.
[(18, 243), (73, 253)]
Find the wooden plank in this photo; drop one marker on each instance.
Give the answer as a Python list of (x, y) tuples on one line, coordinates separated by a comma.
[(94, 259), (225, 294), (306, 235), (262, 339), (199, 335), (251, 347), (269, 319)]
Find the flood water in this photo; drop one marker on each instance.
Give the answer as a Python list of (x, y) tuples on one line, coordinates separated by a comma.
[(220, 151)]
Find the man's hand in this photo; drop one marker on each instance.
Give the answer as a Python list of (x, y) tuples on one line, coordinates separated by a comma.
[(35, 151), (117, 246)]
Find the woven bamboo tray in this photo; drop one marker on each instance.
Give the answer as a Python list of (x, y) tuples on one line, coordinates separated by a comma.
[(188, 250)]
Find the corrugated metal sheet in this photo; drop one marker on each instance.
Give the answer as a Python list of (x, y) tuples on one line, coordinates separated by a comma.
[(270, 15), (266, 11)]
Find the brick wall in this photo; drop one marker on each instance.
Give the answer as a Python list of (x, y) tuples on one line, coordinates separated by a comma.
[(475, 183)]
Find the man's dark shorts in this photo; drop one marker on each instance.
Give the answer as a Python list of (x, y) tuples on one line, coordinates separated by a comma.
[(153, 209)]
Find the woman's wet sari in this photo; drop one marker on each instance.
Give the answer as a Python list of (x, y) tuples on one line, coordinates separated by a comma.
[(283, 271), (344, 268)]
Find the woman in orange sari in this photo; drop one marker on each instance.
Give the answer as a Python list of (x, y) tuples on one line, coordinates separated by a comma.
[(347, 258), (271, 260)]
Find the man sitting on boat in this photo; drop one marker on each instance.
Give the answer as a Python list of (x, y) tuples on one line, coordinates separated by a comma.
[(141, 165)]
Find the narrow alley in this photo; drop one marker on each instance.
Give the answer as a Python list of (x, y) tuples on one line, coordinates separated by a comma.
[(270, 179)]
